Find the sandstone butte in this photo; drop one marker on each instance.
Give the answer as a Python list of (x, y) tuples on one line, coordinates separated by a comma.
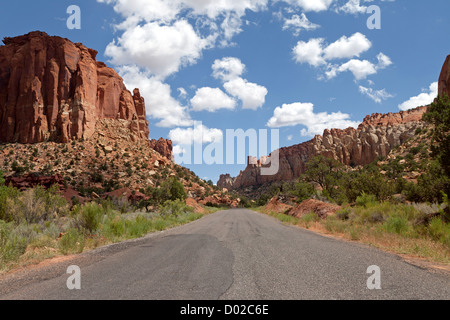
[(54, 90), (376, 136)]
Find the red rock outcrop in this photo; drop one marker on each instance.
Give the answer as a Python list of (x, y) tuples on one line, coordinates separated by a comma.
[(163, 147), (276, 205), (444, 79), (53, 89), (375, 137), (31, 181), (125, 193), (322, 209), (192, 203)]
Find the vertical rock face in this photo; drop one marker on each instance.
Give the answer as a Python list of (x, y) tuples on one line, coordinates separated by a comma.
[(444, 79), (226, 182), (53, 89)]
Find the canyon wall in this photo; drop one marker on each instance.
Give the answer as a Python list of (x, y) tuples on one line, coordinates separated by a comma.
[(54, 90), (375, 137)]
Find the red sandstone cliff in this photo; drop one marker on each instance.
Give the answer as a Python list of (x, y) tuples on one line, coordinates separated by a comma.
[(53, 89), (444, 79), (375, 137)]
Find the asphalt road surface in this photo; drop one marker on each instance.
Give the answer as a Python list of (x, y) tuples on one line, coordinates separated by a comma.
[(231, 255)]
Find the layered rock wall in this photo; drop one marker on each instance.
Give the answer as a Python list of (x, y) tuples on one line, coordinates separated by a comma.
[(53, 89), (375, 137)]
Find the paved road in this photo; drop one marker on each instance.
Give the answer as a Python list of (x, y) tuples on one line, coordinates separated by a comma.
[(235, 254)]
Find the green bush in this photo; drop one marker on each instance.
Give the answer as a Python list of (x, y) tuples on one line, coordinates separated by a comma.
[(366, 200), (12, 245), (71, 242), (309, 218), (397, 224), (170, 190), (174, 208), (90, 216), (35, 205), (334, 224), (8, 195), (303, 191), (439, 231)]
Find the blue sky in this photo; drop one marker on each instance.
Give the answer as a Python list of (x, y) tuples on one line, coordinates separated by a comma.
[(298, 66)]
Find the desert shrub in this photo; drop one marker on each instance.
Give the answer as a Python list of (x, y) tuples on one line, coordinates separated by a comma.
[(170, 190), (55, 204), (439, 231), (36, 205), (89, 217), (263, 200), (429, 185), (334, 224), (173, 190), (397, 224), (72, 242), (27, 207), (114, 227), (7, 197), (138, 227), (245, 202), (366, 200), (344, 214), (12, 245), (174, 208), (309, 218), (303, 190)]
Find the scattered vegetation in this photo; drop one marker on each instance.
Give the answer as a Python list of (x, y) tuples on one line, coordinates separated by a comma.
[(37, 224), (381, 204)]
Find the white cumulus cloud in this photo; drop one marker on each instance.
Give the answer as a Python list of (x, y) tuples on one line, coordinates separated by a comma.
[(212, 99), (298, 113), (423, 99), (156, 93), (198, 134), (316, 53)]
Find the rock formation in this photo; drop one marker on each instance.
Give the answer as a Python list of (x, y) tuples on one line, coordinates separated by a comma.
[(375, 137), (163, 147), (226, 182), (53, 89), (444, 79)]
